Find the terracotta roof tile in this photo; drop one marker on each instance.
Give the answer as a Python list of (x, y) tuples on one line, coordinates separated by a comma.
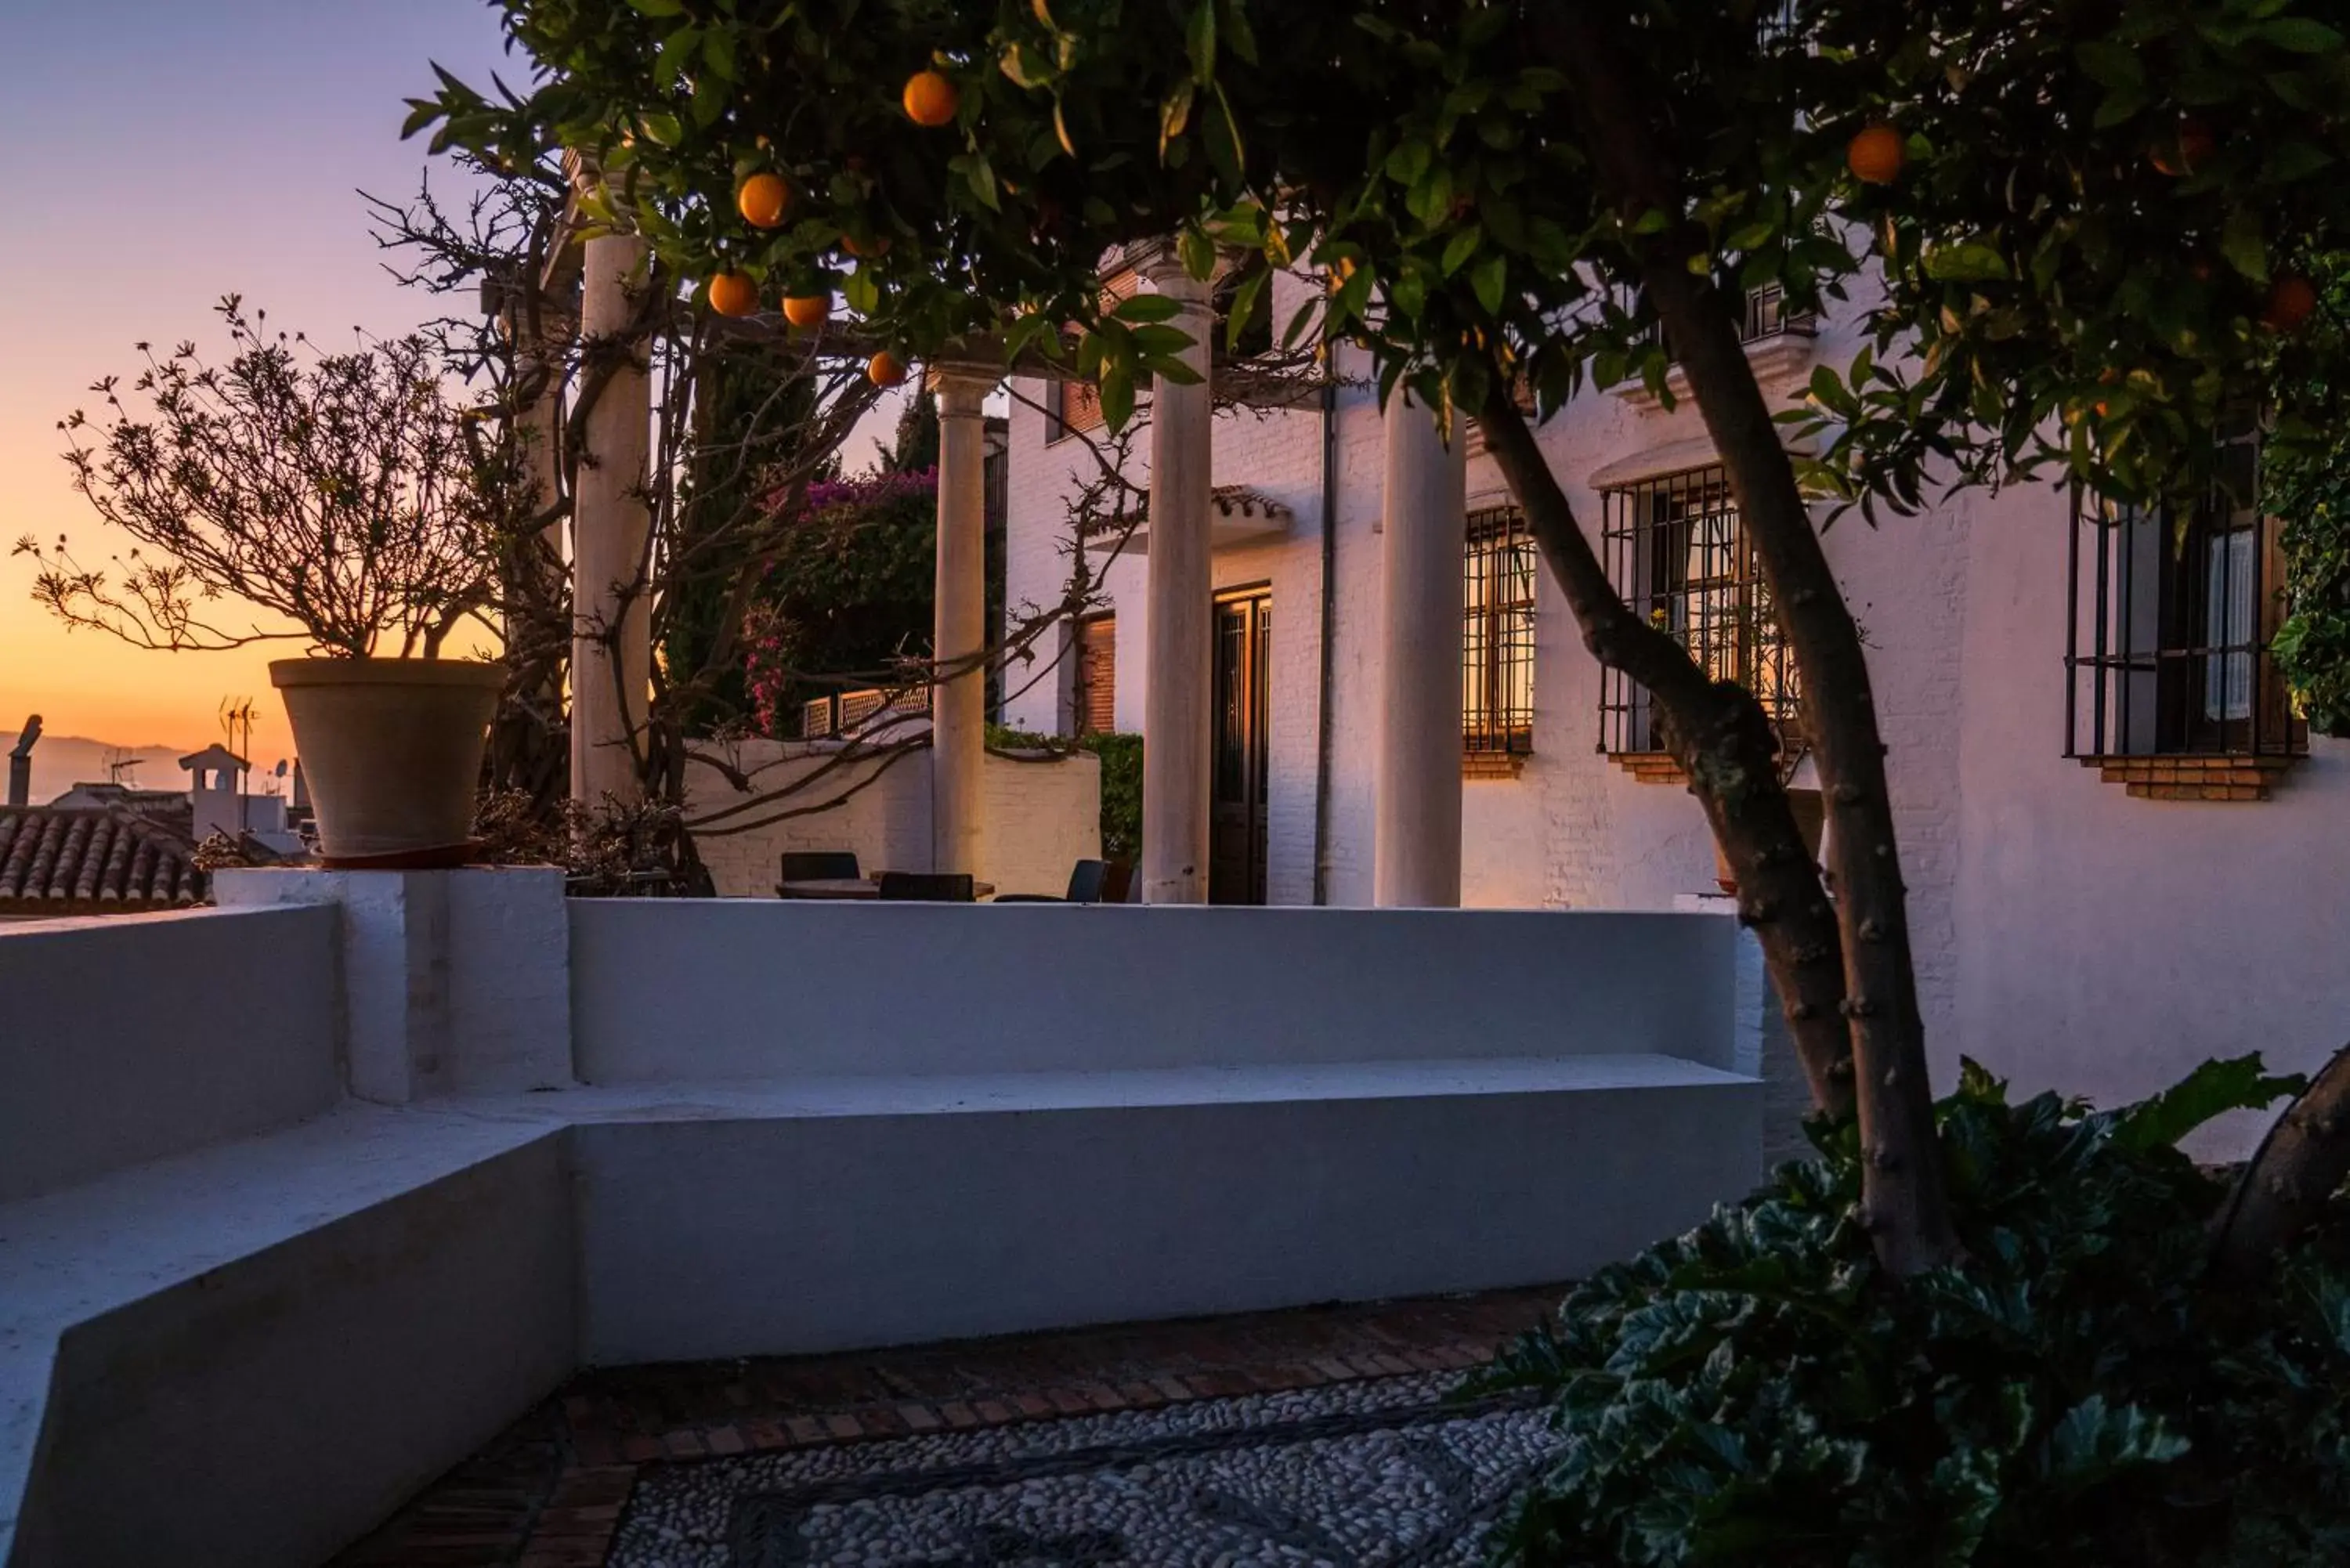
[(108, 862)]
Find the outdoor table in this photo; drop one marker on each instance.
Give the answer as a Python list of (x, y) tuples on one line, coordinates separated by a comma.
[(853, 887)]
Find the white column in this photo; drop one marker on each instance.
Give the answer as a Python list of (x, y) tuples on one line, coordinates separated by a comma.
[(1416, 845), (959, 634), (1178, 658), (610, 682)]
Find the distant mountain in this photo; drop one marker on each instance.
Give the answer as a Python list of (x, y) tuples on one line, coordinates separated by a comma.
[(61, 762)]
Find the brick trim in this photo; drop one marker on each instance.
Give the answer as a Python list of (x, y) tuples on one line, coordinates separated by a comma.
[(1650, 767), (2193, 778)]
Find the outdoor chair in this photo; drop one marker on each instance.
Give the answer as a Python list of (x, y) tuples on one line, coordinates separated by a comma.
[(1087, 879), (819, 865), (927, 887)]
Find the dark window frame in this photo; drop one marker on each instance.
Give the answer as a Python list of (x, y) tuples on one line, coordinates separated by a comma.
[(2147, 673), (1499, 574), (1676, 548)]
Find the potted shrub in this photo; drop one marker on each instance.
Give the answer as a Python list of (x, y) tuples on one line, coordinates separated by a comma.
[(342, 496)]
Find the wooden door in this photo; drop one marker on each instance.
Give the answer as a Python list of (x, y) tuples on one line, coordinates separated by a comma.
[(1243, 691)]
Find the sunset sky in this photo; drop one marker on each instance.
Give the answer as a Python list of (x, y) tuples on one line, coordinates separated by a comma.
[(158, 154)]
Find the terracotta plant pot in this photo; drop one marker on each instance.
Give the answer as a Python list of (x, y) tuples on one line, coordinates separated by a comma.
[(392, 749)]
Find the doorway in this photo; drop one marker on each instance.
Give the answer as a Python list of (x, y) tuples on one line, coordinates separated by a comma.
[(1236, 852)]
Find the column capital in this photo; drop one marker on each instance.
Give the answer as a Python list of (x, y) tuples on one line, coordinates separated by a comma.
[(1160, 261), (962, 389)]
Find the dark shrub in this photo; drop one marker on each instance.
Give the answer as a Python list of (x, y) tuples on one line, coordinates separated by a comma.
[(2075, 1393)]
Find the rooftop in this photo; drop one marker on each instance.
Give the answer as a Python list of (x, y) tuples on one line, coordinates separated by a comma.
[(110, 860)]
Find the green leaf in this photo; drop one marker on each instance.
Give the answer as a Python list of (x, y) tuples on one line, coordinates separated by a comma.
[(2112, 66), (1198, 253), (1117, 396), (1200, 41), (1460, 247), (2244, 245), (2289, 161), (1976, 1083), (658, 7), (1174, 114), (2302, 35), (1969, 260), (1407, 163), (1238, 36), (1490, 280), (2237, 1084), (2093, 1441), (859, 289), (1143, 309), (1243, 307)]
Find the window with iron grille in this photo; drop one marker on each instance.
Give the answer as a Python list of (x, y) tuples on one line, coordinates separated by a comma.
[(1497, 636), (1676, 550), (2172, 609), (1763, 313)]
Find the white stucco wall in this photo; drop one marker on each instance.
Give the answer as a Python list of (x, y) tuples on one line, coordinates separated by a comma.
[(2067, 934), (725, 990), (125, 1038), (818, 1127), (1039, 818)]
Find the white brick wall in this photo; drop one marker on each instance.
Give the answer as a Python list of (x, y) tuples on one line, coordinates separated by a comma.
[(1038, 818), (2065, 933)]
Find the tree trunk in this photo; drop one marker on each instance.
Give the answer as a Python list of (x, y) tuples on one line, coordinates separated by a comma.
[(1719, 736), (1905, 1205), (2286, 1185)]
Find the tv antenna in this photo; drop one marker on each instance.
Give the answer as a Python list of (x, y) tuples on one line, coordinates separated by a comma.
[(122, 766), (236, 722)]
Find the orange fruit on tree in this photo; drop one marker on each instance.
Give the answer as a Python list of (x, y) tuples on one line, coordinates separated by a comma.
[(808, 309), (2292, 299), (873, 249), (763, 199), (885, 369), (1875, 155), (930, 98), (734, 294)]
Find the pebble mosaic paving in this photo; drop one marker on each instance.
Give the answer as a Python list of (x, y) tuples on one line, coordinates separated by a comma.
[(1378, 1474)]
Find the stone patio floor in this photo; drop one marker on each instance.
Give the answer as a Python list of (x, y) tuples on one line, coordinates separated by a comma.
[(552, 1491)]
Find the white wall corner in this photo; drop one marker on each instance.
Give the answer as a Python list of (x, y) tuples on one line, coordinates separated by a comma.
[(451, 980)]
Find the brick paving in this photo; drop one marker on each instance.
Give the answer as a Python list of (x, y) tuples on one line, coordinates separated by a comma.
[(550, 1491)]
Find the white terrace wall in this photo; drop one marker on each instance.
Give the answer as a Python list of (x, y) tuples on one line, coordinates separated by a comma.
[(128, 1038), (806, 1126), (664, 989), (1039, 815)]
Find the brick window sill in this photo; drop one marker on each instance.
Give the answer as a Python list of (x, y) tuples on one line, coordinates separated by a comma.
[(2193, 778), (1650, 767), (1492, 764)]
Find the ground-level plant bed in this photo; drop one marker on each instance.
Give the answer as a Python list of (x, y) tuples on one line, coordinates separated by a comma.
[(2080, 1388)]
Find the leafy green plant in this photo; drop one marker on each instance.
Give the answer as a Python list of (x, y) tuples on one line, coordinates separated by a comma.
[(2077, 1392), (2305, 481), (1121, 793)]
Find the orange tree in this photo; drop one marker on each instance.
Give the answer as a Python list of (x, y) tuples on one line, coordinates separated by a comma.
[(2078, 229)]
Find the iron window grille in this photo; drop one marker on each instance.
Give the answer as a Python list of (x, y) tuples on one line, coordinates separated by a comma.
[(1763, 313), (2167, 648), (1497, 634), (1676, 548)]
